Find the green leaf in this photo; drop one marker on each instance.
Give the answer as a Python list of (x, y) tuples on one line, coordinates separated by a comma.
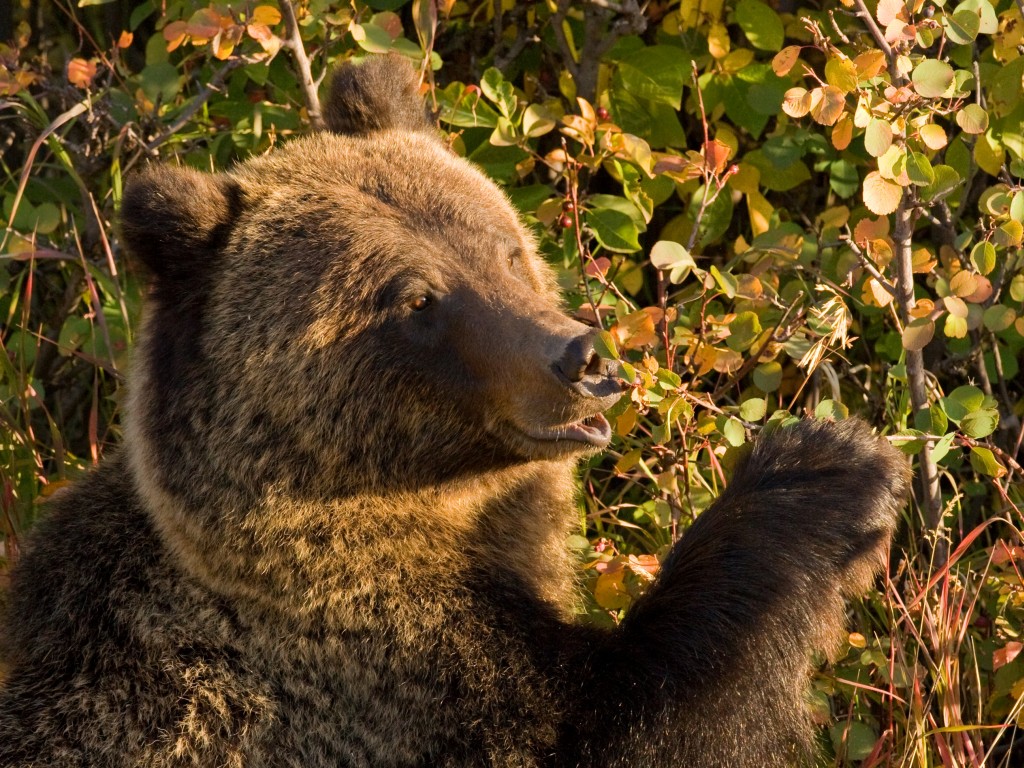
[(984, 462), (962, 401), (674, 258), (855, 740), (760, 24), (614, 230), (830, 409), (946, 181), (932, 78), (656, 73), (1017, 206), (734, 432), (983, 256), (753, 409), (604, 345), (931, 420), (980, 423), (972, 119), (961, 26), (920, 170), (499, 91), (768, 376), (465, 109), (999, 317), (941, 447), (743, 331)]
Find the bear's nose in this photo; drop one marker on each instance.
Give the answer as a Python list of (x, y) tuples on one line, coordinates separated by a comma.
[(580, 359)]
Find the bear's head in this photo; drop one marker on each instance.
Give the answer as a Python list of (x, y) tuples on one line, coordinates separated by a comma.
[(358, 310)]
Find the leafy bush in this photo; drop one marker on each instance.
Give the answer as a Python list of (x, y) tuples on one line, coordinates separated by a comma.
[(771, 211)]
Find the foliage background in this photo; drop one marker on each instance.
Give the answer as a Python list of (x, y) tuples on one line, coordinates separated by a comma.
[(773, 210)]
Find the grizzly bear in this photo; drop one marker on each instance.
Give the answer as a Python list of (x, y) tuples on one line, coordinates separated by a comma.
[(335, 533)]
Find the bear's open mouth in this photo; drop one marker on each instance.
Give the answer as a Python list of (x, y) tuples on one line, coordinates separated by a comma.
[(593, 430)]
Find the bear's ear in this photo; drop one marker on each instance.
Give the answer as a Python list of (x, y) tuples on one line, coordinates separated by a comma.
[(379, 93), (173, 218)]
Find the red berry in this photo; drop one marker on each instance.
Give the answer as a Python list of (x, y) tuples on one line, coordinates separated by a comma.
[(568, 206), (565, 222), (602, 114)]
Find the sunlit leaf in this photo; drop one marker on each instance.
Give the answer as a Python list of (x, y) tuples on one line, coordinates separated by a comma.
[(785, 60), (827, 104), (973, 119), (881, 196), (796, 102), (878, 137), (760, 24), (933, 136), (932, 78)]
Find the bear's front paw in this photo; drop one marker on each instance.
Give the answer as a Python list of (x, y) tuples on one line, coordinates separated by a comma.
[(835, 488)]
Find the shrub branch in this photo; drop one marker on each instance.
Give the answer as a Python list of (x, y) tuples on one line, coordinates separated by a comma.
[(293, 41)]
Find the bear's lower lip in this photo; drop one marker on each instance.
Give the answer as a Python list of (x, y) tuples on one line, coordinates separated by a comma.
[(593, 430)]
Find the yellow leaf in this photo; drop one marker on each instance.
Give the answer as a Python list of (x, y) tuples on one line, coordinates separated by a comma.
[(718, 41), (610, 591), (869, 63), (785, 60), (266, 14), (796, 102), (125, 39), (745, 179), (924, 261), (881, 196), (760, 213), (955, 327), (857, 640), (933, 136), (827, 104), (880, 296), (963, 283), (841, 73), (989, 155), (737, 60)]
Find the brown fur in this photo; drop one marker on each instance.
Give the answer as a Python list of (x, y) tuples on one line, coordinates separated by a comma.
[(330, 538)]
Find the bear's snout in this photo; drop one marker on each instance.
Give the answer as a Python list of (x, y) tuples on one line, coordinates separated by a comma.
[(583, 369)]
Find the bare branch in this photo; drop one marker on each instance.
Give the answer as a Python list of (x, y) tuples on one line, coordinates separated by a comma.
[(293, 41), (931, 497)]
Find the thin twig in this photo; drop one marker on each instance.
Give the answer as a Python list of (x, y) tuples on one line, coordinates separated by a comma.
[(197, 103), (293, 41)]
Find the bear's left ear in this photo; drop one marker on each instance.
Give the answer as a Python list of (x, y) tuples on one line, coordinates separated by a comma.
[(380, 93), (174, 219)]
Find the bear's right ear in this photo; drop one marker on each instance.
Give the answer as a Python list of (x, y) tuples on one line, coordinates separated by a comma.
[(174, 218), (379, 93)]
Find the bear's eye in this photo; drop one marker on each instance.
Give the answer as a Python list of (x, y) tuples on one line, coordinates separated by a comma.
[(421, 302), (515, 255)]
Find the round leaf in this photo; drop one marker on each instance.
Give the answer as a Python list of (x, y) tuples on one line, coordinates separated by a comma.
[(932, 78), (972, 119), (878, 137), (918, 333), (881, 196)]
